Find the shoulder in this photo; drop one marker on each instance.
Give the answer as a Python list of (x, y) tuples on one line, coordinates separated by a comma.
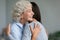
[(37, 22), (14, 27)]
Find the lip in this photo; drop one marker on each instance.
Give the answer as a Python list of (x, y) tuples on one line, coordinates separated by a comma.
[(31, 17)]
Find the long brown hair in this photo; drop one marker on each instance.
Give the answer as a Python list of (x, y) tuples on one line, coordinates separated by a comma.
[(36, 11)]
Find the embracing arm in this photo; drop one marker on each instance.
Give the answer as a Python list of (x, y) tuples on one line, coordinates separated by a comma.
[(12, 33)]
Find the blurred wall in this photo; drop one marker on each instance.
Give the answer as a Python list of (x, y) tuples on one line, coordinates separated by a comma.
[(50, 13), (2, 14)]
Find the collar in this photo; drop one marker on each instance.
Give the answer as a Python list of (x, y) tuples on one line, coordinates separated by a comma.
[(20, 25)]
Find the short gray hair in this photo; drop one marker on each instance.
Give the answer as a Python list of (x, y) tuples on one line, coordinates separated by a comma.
[(19, 8)]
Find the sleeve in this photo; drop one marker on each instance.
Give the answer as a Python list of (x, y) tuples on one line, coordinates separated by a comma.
[(15, 34), (42, 35)]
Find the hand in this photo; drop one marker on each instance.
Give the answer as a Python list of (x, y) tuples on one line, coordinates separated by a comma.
[(35, 31), (7, 30)]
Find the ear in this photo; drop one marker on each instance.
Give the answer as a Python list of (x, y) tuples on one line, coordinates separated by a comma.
[(22, 16)]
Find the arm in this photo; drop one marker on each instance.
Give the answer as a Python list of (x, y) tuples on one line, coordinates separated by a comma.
[(13, 33)]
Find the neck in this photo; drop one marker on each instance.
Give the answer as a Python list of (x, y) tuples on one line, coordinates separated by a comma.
[(22, 21)]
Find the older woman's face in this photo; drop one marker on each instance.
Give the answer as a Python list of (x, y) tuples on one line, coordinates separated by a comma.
[(28, 14)]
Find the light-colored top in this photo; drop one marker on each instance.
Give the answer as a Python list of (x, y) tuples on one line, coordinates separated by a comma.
[(16, 32), (17, 29), (27, 33)]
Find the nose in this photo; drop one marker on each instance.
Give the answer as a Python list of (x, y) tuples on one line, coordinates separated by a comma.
[(32, 13)]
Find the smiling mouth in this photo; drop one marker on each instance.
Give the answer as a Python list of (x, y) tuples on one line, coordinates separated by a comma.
[(30, 20), (31, 17)]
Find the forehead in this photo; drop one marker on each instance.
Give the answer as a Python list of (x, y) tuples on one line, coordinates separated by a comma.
[(28, 8)]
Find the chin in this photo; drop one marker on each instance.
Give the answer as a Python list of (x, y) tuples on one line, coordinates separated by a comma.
[(30, 20)]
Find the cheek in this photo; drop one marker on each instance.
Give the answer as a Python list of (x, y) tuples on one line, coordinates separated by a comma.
[(27, 15)]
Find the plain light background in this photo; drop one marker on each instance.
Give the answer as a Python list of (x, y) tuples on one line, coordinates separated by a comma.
[(50, 13)]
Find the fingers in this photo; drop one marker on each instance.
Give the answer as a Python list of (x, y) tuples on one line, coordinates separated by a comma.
[(7, 30), (38, 26), (35, 29), (31, 28), (34, 25), (8, 26)]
